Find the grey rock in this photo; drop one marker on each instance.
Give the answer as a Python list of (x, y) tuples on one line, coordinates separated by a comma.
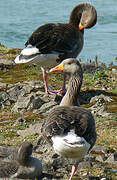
[(100, 153), (99, 158), (32, 130), (5, 63), (19, 120), (90, 158), (18, 90), (4, 99), (48, 97), (35, 84), (98, 108), (15, 92), (97, 149), (21, 89), (110, 159), (84, 164), (101, 99), (3, 85), (47, 106), (24, 104)]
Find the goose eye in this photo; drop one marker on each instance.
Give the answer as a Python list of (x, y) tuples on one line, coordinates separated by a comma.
[(69, 63)]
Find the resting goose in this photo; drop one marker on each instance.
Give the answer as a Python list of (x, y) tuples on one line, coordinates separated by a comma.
[(69, 128), (53, 42), (19, 163)]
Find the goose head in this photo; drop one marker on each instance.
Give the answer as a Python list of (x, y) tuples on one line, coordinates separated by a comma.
[(24, 152), (69, 66), (83, 16)]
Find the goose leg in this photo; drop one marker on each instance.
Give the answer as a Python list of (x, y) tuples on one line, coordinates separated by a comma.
[(45, 80), (61, 91), (74, 168)]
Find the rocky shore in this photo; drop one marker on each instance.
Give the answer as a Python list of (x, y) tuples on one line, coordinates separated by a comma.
[(23, 106)]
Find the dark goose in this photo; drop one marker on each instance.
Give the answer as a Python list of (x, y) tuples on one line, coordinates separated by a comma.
[(53, 42)]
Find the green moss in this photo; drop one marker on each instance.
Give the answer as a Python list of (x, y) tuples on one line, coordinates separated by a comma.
[(107, 131), (8, 53)]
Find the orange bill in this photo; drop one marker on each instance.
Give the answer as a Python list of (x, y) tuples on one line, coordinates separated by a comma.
[(80, 27), (57, 68)]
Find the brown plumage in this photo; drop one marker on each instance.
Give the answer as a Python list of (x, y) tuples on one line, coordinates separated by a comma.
[(53, 42), (64, 39), (69, 128), (62, 119)]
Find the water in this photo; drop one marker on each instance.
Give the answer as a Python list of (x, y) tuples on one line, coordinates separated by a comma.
[(18, 19)]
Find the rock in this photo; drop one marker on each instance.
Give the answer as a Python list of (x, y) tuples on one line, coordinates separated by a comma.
[(24, 104), (84, 164), (41, 145), (35, 84), (101, 99), (4, 99), (47, 106), (21, 89), (32, 130), (51, 97), (19, 120), (99, 150), (48, 97), (110, 159), (99, 158), (17, 91), (98, 108), (89, 158), (3, 85)]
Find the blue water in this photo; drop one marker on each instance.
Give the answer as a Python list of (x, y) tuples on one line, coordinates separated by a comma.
[(18, 19)]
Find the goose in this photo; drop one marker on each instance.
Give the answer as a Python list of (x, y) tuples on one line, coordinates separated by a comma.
[(51, 43), (70, 129), (18, 163)]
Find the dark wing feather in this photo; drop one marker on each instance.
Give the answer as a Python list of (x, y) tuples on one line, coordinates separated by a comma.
[(63, 38), (62, 119)]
